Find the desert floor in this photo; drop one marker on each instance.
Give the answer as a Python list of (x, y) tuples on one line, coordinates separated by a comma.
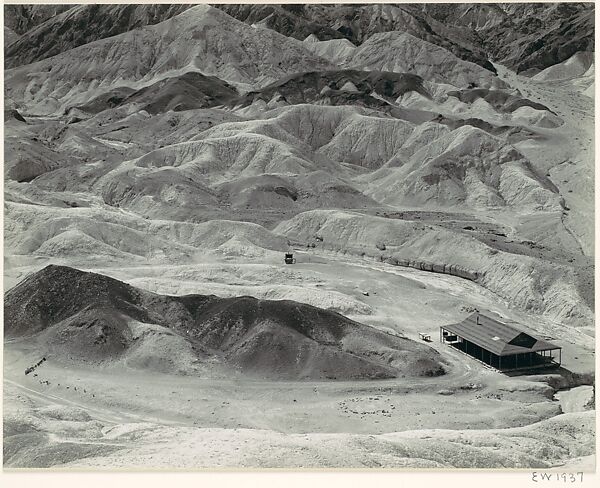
[(472, 416)]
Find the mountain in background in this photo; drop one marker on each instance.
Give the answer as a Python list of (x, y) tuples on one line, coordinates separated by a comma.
[(524, 37)]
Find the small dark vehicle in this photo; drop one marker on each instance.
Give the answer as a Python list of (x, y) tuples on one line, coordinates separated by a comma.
[(289, 258)]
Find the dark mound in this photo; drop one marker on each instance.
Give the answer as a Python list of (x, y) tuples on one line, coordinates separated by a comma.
[(500, 100), (186, 92), (326, 86), (276, 339), (110, 99)]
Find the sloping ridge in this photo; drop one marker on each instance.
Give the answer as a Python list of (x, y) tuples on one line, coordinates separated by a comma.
[(464, 167), (186, 92), (403, 53), (278, 339)]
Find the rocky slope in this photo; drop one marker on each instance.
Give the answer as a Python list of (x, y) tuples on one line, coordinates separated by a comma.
[(525, 36), (22, 18), (10, 36), (77, 25), (464, 166)]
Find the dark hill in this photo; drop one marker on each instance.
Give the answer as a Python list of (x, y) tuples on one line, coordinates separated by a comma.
[(186, 92), (89, 315), (110, 99), (328, 86)]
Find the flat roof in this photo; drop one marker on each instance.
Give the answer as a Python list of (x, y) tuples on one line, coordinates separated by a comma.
[(497, 337)]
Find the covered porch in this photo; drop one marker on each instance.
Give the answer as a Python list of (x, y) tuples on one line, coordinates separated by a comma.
[(540, 358)]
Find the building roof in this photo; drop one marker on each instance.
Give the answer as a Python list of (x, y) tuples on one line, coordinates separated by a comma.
[(496, 337)]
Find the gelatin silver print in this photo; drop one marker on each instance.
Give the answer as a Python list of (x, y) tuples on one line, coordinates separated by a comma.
[(299, 236)]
